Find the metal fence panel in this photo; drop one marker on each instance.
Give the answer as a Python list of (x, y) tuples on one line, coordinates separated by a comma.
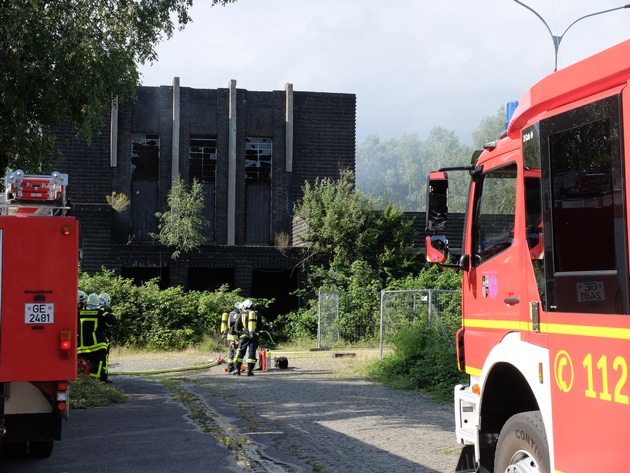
[(372, 319), (348, 319)]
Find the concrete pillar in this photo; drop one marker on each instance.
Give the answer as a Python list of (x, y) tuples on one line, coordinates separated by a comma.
[(288, 88), (231, 210), (176, 125)]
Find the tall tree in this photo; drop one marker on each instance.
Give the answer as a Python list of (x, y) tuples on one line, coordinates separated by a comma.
[(64, 61), (349, 242)]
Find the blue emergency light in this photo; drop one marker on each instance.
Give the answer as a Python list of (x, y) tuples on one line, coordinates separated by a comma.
[(510, 108)]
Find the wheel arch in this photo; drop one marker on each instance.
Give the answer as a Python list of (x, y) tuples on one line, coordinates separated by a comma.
[(508, 391)]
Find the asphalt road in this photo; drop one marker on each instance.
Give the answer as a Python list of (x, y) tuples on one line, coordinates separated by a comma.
[(315, 416), (149, 433)]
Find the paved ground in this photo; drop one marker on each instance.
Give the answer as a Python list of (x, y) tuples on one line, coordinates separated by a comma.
[(319, 412), (316, 416), (149, 433)]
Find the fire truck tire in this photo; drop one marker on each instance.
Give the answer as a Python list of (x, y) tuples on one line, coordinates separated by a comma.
[(83, 366), (522, 445), (40, 448)]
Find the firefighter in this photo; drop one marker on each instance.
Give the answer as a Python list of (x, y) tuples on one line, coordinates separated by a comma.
[(82, 299), (248, 341), (105, 302), (94, 321), (230, 329)]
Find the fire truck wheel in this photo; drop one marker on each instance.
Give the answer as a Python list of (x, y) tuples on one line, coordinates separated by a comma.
[(83, 366), (522, 445), (40, 448)]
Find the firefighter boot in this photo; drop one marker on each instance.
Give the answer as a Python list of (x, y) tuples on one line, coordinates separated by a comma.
[(237, 369), (230, 368), (250, 369)]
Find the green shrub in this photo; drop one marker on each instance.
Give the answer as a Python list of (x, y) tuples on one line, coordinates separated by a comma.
[(422, 359), (425, 358), (299, 324), (156, 319)]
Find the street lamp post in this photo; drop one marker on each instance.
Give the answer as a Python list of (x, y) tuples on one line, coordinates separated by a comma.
[(557, 39)]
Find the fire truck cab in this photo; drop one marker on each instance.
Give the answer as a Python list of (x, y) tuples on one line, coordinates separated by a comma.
[(545, 336), (38, 312)]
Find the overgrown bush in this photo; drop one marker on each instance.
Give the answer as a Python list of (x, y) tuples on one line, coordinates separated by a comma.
[(424, 357), (161, 319), (300, 324)]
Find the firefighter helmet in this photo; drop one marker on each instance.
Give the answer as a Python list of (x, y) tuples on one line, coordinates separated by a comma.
[(237, 306), (105, 299), (246, 304), (82, 297), (93, 299)]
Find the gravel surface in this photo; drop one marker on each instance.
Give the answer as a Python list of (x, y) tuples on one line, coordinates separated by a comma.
[(319, 415)]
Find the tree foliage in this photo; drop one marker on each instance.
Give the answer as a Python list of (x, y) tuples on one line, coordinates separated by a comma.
[(149, 317), (396, 170), (351, 246), (490, 128), (181, 227), (66, 61), (349, 241)]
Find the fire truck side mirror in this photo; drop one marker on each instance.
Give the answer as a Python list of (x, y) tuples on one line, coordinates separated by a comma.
[(464, 262), (437, 201), (436, 248)]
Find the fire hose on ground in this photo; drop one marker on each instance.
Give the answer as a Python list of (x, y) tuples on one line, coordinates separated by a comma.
[(214, 362)]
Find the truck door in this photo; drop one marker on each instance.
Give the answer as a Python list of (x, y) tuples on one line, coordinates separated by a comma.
[(491, 288)]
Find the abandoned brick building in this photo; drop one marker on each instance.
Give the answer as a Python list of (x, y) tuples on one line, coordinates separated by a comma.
[(251, 151)]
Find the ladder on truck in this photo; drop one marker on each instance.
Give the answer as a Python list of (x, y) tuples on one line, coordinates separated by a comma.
[(30, 194)]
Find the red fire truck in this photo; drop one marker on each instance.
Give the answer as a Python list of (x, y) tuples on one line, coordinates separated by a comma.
[(545, 336), (38, 312)]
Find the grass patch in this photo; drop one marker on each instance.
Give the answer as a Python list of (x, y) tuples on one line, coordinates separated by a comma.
[(422, 362), (87, 392)]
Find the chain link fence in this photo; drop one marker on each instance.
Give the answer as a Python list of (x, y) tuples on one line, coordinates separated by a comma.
[(372, 319)]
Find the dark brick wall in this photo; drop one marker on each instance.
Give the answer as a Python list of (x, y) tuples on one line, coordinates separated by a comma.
[(324, 137), (324, 144)]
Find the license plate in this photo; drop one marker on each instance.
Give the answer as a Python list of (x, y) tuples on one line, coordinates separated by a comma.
[(39, 313), (590, 291)]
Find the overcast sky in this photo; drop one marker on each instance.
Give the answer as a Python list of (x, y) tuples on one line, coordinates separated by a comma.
[(413, 64)]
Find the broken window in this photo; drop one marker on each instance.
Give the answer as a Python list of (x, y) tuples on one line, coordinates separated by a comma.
[(258, 156), (145, 170), (203, 168)]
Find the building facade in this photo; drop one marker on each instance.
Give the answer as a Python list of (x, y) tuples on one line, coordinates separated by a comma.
[(252, 152)]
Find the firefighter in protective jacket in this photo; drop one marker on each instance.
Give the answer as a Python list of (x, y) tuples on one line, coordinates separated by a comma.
[(230, 328), (94, 323), (248, 341)]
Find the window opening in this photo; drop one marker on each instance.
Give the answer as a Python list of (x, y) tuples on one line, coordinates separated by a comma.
[(586, 268), (258, 159), (203, 169), (145, 157), (145, 171), (203, 159), (493, 229)]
